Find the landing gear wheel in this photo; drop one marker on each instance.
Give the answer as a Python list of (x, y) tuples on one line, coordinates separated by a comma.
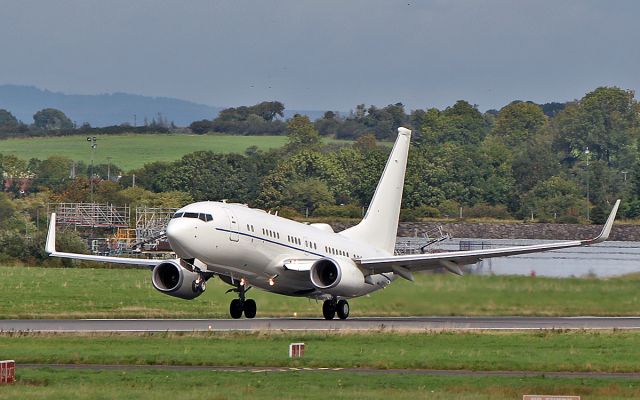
[(235, 309), (198, 287), (250, 308), (342, 309), (329, 309)]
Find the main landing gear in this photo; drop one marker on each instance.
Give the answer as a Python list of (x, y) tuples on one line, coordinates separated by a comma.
[(241, 304), (332, 307)]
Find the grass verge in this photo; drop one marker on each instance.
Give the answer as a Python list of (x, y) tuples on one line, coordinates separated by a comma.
[(540, 351), (30, 292), (88, 384)]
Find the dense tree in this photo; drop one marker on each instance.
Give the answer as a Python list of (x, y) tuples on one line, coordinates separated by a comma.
[(201, 127), (52, 119), (518, 122), (461, 123), (206, 175), (553, 198), (306, 195), (8, 123), (301, 134), (303, 165), (606, 121), (53, 172)]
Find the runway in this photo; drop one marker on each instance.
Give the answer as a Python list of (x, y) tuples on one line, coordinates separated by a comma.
[(299, 324)]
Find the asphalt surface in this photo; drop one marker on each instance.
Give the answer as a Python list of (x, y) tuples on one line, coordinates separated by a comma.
[(432, 372), (298, 324)]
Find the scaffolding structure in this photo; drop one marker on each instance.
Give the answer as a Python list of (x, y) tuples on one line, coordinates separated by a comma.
[(151, 223), (91, 215)]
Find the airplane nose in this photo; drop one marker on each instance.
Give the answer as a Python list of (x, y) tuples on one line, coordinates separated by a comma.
[(179, 235)]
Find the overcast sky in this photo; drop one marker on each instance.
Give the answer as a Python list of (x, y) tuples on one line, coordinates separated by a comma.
[(323, 54)]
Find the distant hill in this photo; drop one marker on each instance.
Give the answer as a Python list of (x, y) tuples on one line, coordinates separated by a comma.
[(109, 109)]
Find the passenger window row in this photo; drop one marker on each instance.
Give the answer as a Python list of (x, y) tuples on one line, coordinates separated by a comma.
[(270, 233), (336, 252)]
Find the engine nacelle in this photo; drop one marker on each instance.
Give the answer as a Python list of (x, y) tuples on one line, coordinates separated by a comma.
[(175, 280), (337, 277)]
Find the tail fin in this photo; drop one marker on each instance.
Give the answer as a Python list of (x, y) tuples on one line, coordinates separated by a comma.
[(380, 225)]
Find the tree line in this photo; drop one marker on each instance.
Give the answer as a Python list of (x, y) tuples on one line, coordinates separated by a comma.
[(523, 161)]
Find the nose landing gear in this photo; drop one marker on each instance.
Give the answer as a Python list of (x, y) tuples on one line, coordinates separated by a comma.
[(332, 307)]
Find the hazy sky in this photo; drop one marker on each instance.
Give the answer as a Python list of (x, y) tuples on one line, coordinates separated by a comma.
[(323, 54)]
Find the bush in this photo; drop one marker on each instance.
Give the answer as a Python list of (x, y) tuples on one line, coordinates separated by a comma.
[(416, 214), (289, 212), (487, 211), (342, 211)]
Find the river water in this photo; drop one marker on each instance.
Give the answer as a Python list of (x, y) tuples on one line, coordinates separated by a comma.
[(602, 260)]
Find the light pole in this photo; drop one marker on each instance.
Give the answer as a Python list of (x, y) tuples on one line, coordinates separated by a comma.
[(93, 141), (586, 152), (108, 168)]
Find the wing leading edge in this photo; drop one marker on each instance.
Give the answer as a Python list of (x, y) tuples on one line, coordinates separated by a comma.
[(50, 248), (404, 265)]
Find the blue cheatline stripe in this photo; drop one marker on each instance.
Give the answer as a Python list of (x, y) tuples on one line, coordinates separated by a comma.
[(271, 241)]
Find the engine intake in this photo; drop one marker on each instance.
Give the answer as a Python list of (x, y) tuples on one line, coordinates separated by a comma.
[(173, 279), (337, 277)]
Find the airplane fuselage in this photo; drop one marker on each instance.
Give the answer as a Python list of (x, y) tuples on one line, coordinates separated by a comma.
[(239, 242)]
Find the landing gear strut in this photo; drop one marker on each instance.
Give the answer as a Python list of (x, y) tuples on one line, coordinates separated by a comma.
[(332, 307), (241, 304)]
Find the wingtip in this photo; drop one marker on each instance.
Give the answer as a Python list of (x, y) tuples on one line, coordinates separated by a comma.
[(606, 229), (404, 131), (50, 246)]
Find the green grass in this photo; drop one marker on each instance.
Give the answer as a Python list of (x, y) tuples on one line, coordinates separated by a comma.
[(31, 292), (197, 385), (133, 151), (602, 351)]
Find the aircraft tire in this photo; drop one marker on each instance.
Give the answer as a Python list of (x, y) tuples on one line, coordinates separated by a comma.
[(235, 309), (343, 309), (250, 308), (329, 309)]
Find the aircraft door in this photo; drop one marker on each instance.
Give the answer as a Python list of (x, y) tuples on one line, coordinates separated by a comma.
[(233, 227)]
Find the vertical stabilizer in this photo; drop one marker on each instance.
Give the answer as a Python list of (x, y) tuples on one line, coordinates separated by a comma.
[(380, 225)]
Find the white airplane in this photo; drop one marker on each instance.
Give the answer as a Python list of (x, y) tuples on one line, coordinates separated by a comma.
[(248, 247)]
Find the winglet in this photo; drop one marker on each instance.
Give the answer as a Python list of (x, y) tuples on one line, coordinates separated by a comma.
[(606, 230), (50, 246)]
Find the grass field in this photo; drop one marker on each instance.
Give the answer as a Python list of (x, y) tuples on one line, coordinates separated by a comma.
[(534, 351), (133, 151), (30, 292), (593, 351), (150, 384)]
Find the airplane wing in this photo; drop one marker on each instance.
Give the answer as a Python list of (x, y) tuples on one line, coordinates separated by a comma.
[(50, 248), (404, 265)]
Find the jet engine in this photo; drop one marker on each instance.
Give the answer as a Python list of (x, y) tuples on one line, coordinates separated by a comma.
[(337, 277), (175, 280)]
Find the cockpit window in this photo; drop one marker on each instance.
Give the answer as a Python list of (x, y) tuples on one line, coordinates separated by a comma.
[(205, 217), (201, 216)]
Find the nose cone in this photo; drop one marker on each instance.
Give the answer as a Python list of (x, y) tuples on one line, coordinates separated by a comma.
[(180, 234)]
